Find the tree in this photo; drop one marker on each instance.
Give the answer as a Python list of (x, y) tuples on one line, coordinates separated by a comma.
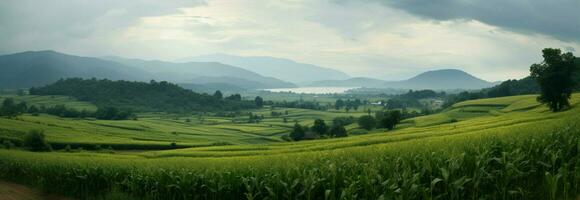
[(339, 104), (367, 122), (396, 115), (234, 97), (348, 104), (259, 101), (297, 132), (218, 95), (320, 127), (35, 140), (8, 108), (21, 107), (555, 77), (389, 120), (343, 121), (357, 103), (338, 131), (33, 109)]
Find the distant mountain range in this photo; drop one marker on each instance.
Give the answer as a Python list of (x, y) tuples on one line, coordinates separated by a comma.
[(38, 68), (280, 68), (204, 73), (437, 79)]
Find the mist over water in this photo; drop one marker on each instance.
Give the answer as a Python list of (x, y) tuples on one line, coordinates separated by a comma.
[(313, 90)]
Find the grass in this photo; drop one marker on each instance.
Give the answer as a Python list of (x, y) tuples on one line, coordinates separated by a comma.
[(156, 130), (503, 148), (52, 100)]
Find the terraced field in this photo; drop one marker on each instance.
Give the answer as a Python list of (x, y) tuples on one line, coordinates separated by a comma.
[(502, 148), (155, 130), (52, 100)]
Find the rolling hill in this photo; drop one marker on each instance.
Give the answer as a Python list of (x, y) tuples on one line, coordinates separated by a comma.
[(280, 68), (437, 79), (204, 73), (38, 68), (473, 148), (441, 79)]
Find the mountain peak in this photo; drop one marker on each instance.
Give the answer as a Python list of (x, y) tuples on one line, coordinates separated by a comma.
[(446, 73), (446, 79)]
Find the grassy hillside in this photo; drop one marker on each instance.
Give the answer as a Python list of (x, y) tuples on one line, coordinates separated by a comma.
[(154, 130), (503, 148), (52, 100)]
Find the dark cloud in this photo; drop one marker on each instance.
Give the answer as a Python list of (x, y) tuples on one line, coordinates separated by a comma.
[(557, 18)]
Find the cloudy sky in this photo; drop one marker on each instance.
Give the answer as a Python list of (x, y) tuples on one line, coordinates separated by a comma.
[(388, 39)]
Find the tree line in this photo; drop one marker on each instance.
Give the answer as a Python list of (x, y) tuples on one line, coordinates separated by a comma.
[(321, 129), (382, 119)]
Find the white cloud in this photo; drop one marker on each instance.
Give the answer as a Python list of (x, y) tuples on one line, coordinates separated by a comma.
[(363, 39)]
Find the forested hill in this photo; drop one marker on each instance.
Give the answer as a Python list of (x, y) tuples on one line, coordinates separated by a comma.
[(140, 96)]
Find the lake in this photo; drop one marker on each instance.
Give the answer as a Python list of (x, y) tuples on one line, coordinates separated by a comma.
[(312, 90)]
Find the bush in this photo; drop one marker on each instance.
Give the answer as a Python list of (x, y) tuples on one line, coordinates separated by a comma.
[(338, 131), (35, 140), (343, 121)]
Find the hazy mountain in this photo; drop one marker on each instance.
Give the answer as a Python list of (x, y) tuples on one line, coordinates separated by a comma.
[(38, 68), (441, 79), (204, 73), (437, 79), (280, 68)]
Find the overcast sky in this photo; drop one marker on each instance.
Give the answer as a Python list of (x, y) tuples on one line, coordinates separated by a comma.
[(492, 39)]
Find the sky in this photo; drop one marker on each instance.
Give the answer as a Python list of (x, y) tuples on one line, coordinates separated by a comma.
[(387, 39)]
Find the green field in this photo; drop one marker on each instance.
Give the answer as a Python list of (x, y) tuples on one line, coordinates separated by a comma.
[(501, 148), (52, 100), (157, 130)]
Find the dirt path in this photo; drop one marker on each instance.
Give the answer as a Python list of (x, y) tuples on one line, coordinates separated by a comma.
[(13, 191)]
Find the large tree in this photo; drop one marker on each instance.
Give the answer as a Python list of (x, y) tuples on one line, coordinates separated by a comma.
[(320, 127), (367, 122), (9, 108), (297, 132), (555, 77), (259, 101)]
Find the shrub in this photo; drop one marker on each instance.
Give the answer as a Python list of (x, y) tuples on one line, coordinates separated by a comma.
[(35, 140), (338, 131)]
